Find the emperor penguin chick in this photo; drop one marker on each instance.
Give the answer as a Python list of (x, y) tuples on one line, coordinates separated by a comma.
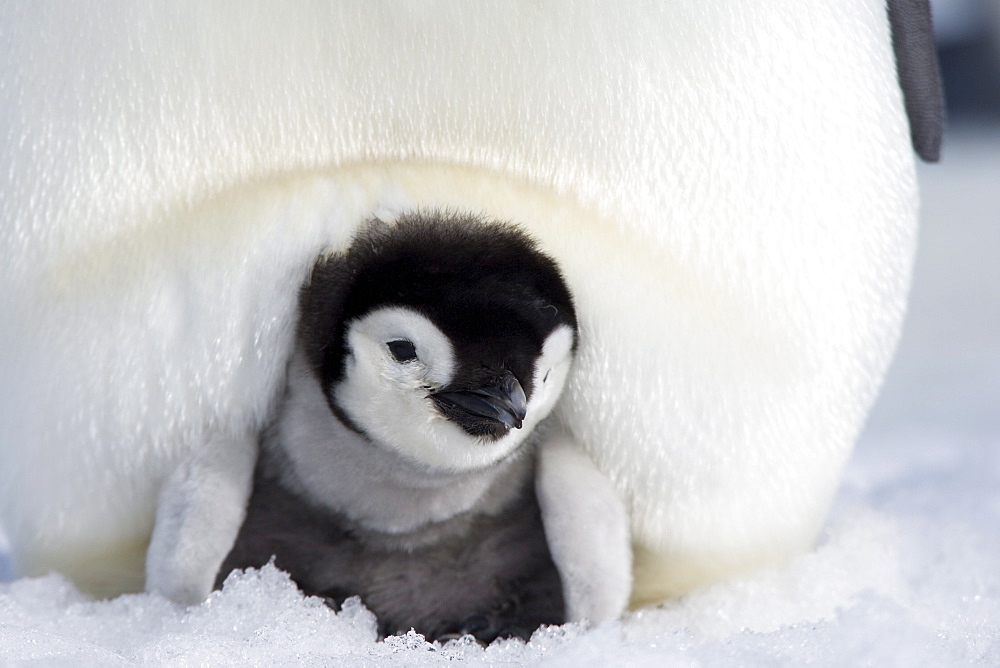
[(400, 466)]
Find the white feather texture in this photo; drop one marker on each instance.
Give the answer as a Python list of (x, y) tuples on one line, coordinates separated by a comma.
[(389, 402), (730, 192)]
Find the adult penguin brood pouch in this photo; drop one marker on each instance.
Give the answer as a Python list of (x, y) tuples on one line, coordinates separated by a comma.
[(401, 463), (730, 195)]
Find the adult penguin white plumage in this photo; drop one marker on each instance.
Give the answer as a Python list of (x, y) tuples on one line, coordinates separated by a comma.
[(730, 194)]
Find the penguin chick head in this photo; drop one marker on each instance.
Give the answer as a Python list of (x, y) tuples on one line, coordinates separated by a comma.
[(442, 338)]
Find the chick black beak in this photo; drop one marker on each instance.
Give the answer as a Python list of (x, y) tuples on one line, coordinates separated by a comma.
[(503, 402)]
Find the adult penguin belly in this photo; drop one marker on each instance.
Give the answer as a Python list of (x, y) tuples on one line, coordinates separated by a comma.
[(730, 195)]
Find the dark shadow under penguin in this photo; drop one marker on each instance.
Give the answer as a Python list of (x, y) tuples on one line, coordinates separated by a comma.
[(400, 465)]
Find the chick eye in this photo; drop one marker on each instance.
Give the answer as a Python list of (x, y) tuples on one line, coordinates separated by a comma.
[(402, 350)]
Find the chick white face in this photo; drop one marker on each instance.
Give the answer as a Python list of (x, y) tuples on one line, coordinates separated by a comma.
[(397, 388)]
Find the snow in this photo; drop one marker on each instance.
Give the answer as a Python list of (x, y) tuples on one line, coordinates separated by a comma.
[(906, 573)]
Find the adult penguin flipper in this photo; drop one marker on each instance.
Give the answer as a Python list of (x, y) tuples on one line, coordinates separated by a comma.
[(919, 76)]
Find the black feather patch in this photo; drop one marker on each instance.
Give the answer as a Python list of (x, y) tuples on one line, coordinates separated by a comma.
[(485, 284)]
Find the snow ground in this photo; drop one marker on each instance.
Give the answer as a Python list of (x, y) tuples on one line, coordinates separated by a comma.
[(908, 572)]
